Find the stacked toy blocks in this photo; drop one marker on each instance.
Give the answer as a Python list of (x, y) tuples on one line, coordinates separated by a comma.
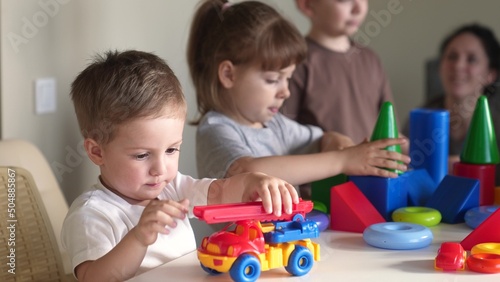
[(366, 200), (427, 183), (386, 194), (429, 139), (480, 153)]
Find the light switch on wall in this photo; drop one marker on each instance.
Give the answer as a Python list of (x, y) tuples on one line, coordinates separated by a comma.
[(45, 95)]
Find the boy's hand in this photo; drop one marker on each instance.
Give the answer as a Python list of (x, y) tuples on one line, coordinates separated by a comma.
[(156, 217), (370, 158), (332, 141), (275, 193)]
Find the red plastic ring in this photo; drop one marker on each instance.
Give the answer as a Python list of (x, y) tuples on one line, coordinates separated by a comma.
[(484, 263)]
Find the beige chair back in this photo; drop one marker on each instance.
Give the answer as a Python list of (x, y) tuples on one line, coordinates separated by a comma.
[(27, 237), (23, 154)]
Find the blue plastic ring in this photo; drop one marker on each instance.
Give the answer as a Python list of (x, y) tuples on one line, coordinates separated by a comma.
[(477, 215), (398, 236)]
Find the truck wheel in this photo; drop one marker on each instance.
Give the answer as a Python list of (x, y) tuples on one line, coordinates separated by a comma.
[(209, 270), (300, 261), (246, 268)]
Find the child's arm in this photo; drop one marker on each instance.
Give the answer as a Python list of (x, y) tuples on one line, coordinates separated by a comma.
[(363, 159), (246, 187), (332, 141), (123, 261)]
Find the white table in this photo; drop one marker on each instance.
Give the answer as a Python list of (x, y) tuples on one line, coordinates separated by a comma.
[(345, 257)]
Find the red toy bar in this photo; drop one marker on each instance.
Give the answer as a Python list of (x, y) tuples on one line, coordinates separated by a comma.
[(243, 211)]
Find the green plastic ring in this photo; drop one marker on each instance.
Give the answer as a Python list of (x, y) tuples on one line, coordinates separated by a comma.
[(419, 215), (319, 206)]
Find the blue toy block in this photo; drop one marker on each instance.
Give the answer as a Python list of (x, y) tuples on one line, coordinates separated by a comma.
[(454, 196), (420, 186), (429, 141), (385, 194)]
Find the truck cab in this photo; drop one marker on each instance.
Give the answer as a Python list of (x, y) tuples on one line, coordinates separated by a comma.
[(240, 237)]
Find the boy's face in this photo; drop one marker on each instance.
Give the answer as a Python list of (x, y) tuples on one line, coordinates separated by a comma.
[(142, 158), (258, 95), (337, 17)]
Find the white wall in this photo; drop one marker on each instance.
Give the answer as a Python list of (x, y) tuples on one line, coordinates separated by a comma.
[(61, 47), (56, 38)]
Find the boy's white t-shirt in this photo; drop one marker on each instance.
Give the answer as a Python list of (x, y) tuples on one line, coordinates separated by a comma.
[(98, 219)]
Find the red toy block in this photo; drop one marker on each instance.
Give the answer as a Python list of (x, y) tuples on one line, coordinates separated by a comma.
[(350, 210), (486, 232), (497, 195), (485, 174), (320, 190)]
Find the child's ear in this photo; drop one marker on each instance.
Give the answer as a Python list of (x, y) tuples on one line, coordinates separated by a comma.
[(226, 74), (94, 151), (304, 7)]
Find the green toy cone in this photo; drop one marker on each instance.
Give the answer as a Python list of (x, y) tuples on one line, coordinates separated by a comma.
[(386, 128), (480, 146)]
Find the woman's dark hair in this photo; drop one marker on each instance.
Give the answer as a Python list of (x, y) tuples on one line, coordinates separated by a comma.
[(489, 42)]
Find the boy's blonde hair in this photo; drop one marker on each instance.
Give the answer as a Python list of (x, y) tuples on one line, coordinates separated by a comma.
[(244, 33), (119, 87)]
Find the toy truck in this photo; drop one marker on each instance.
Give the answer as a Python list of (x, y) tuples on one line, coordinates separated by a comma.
[(257, 241)]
